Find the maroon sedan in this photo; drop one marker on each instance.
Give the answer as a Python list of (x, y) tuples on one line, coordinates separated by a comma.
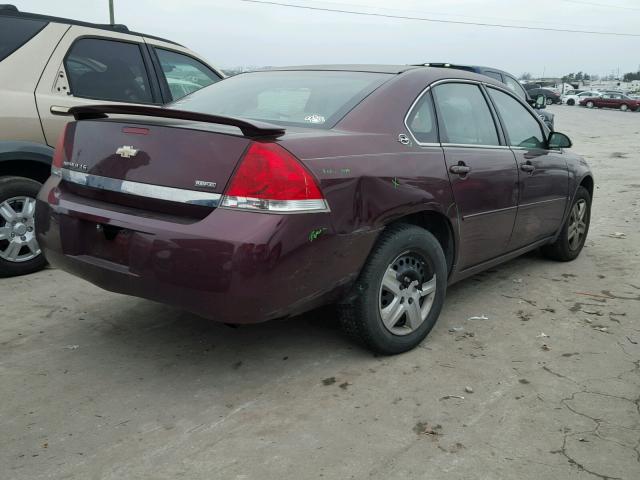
[(275, 192), (611, 100)]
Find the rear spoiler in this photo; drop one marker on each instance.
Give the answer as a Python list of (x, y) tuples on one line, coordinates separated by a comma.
[(249, 128)]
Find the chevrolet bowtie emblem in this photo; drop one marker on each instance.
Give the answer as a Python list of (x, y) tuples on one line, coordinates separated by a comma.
[(126, 151)]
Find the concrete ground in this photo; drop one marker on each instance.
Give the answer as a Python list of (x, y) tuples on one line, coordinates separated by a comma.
[(95, 385)]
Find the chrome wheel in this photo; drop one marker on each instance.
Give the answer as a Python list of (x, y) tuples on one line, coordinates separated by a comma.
[(577, 224), (17, 229), (407, 293), (624, 108), (589, 104)]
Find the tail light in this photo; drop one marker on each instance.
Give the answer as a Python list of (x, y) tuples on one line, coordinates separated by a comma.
[(60, 154), (271, 179)]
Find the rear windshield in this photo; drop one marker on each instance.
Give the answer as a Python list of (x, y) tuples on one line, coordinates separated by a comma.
[(15, 32), (316, 99)]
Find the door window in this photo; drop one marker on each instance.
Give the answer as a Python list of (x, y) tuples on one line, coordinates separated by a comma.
[(521, 127), (422, 122), (464, 114), (515, 87), (108, 70), (184, 74)]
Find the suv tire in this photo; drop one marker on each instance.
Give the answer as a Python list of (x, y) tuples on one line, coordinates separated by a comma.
[(399, 294), (17, 191)]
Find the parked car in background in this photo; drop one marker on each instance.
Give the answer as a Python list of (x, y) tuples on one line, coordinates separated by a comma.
[(611, 100), (50, 64), (275, 192), (510, 81), (550, 96), (574, 98)]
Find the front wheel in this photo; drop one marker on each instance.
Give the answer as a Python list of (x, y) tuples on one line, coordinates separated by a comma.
[(624, 107), (398, 296), (571, 102), (549, 101), (19, 250), (589, 104), (569, 243)]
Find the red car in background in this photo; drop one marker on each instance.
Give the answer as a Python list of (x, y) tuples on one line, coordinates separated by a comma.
[(611, 100)]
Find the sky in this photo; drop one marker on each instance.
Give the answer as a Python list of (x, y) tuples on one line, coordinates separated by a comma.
[(230, 33)]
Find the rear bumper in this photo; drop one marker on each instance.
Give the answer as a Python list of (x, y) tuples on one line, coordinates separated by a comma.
[(232, 266)]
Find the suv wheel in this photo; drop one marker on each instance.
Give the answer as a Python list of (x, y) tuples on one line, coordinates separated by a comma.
[(398, 297), (19, 251)]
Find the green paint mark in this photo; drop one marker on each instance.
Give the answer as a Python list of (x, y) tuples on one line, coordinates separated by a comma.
[(395, 182), (315, 233)]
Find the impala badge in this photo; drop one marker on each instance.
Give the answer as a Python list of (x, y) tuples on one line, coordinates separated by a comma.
[(205, 184), (126, 151)]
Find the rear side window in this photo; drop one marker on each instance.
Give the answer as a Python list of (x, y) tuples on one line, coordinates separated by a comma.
[(422, 121), (316, 99), (465, 115), (108, 70), (15, 32), (515, 87), (184, 74), (522, 128), (494, 75)]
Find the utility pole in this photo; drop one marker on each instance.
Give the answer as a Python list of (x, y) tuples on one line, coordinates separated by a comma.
[(111, 19)]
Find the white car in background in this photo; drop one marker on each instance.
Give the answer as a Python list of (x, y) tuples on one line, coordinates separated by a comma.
[(574, 99)]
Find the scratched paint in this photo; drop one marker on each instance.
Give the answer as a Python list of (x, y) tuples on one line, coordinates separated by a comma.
[(315, 233)]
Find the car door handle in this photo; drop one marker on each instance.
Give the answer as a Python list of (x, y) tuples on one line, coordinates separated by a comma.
[(460, 169), (527, 167), (58, 110)]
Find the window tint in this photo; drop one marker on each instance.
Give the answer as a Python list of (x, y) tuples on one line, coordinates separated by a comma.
[(15, 32), (108, 70), (521, 127), (494, 75), (515, 87), (465, 115), (183, 73), (422, 122), (306, 98)]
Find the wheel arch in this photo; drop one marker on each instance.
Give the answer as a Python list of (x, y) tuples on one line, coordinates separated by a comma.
[(587, 182), (439, 225), (25, 159)]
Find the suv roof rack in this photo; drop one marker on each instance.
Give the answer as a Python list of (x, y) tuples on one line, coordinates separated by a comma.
[(12, 11)]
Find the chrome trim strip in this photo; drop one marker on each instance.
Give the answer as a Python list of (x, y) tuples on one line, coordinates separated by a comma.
[(488, 212), (157, 192), (544, 201), (470, 145)]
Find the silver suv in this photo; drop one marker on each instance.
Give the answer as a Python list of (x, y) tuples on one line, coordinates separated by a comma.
[(50, 64)]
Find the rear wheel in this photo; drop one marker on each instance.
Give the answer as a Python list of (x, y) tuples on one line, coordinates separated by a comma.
[(400, 292), (549, 101), (19, 250), (624, 107), (590, 105), (574, 232)]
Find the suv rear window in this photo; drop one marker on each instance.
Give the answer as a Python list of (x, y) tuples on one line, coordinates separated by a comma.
[(316, 99), (15, 32)]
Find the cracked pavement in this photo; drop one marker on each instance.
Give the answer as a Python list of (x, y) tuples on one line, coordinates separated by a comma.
[(100, 386)]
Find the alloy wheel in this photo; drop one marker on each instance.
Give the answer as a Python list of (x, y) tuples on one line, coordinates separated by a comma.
[(589, 104), (407, 293), (17, 229), (577, 224), (624, 108)]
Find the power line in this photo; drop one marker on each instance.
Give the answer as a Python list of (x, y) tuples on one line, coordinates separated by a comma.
[(594, 4), (435, 20)]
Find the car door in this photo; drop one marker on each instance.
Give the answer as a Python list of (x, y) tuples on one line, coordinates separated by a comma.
[(87, 68), (180, 72), (543, 179), (482, 172)]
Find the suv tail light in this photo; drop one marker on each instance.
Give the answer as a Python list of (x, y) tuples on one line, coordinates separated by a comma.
[(60, 154), (271, 179)]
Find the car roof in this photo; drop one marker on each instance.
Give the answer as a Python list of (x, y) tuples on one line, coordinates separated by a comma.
[(371, 68), (12, 11)]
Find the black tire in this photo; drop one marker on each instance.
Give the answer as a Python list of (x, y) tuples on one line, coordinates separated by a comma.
[(549, 101), (19, 187), (561, 250), (571, 102), (360, 314)]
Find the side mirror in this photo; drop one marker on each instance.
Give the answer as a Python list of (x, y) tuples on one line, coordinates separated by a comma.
[(541, 102), (559, 140)]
